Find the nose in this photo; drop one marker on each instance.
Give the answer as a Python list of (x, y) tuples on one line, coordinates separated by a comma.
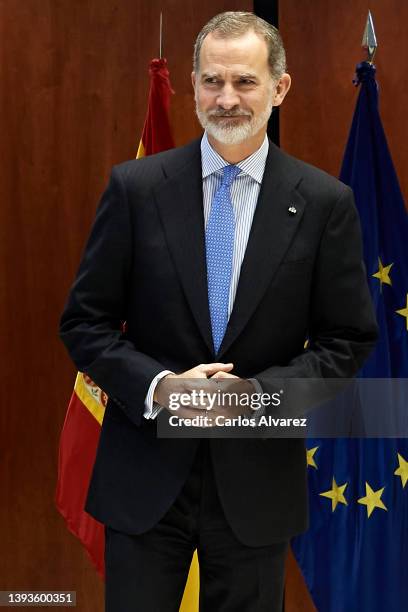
[(227, 97)]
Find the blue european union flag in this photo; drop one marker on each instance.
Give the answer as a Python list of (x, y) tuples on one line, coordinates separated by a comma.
[(355, 555)]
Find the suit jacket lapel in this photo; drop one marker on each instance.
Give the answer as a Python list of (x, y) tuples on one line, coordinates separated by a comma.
[(180, 203), (272, 231)]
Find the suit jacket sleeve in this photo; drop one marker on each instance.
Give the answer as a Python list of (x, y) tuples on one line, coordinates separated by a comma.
[(91, 322), (342, 324)]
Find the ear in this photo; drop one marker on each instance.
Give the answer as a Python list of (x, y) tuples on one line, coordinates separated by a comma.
[(282, 88), (193, 79)]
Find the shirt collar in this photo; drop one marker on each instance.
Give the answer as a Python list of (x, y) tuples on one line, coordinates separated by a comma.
[(254, 165)]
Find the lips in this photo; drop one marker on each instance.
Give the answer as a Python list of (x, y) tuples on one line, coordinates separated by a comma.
[(229, 116)]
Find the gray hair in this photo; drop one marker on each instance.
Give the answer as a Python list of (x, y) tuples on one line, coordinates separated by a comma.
[(233, 24)]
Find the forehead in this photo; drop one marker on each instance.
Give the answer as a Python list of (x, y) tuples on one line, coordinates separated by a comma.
[(248, 52)]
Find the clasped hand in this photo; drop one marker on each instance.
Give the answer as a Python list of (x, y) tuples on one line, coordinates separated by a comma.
[(189, 394)]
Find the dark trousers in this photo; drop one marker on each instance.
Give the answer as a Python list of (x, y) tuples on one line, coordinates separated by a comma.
[(148, 572)]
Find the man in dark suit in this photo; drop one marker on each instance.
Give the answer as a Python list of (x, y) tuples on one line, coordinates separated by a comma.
[(222, 256)]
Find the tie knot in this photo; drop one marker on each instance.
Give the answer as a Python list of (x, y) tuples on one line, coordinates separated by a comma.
[(229, 174)]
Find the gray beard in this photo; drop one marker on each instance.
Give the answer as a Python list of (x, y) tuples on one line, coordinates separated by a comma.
[(234, 134)]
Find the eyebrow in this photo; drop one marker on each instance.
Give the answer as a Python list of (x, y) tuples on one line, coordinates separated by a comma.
[(247, 75), (240, 75)]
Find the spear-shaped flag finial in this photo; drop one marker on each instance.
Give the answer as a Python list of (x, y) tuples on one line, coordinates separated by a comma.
[(369, 39)]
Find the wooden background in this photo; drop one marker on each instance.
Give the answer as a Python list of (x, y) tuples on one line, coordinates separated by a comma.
[(73, 77)]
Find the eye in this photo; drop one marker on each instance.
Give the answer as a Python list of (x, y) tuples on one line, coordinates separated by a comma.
[(210, 80), (246, 82)]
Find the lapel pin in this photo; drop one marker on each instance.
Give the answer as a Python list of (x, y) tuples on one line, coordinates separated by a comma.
[(292, 210)]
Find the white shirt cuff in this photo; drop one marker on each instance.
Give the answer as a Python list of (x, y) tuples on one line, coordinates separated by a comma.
[(152, 409)]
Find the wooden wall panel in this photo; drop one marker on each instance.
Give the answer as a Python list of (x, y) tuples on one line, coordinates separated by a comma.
[(73, 94)]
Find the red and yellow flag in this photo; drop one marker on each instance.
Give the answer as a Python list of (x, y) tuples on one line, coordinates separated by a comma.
[(78, 444), (156, 135)]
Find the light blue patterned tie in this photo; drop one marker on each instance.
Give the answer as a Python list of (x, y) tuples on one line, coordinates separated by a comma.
[(219, 239)]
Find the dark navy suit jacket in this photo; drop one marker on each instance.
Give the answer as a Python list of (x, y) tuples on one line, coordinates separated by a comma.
[(302, 276)]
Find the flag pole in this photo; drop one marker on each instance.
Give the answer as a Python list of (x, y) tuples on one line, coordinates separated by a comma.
[(161, 35)]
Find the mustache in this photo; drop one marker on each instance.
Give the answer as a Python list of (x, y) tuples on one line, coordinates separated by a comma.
[(233, 112)]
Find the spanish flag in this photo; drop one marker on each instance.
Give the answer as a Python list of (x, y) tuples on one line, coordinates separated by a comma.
[(77, 451), (156, 135), (81, 429)]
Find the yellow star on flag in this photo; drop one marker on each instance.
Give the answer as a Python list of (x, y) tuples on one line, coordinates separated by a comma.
[(372, 499), (402, 471), (309, 456), (404, 312), (383, 273), (336, 494)]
